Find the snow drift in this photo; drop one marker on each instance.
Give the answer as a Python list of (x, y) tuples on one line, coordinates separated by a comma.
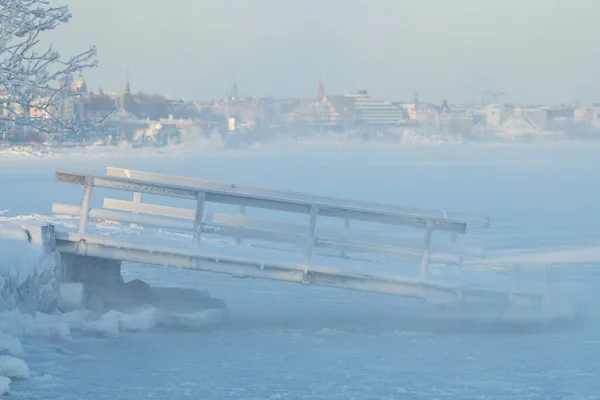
[(32, 293), (29, 279), (29, 282)]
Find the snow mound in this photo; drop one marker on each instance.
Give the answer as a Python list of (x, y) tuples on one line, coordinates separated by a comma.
[(89, 323), (10, 345), (114, 322), (13, 368), (198, 320), (148, 319), (28, 278), (19, 324), (4, 385)]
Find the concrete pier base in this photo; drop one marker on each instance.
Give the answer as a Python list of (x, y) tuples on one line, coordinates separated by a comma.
[(97, 284), (92, 270)]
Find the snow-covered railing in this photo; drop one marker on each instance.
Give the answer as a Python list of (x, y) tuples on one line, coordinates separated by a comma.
[(308, 238), (43, 235), (472, 221), (197, 259), (299, 222), (14, 233)]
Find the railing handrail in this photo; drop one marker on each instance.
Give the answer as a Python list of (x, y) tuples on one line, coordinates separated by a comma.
[(309, 239), (472, 221), (254, 229), (263, 201)]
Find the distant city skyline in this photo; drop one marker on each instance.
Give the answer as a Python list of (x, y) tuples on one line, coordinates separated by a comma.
[(539, 51)]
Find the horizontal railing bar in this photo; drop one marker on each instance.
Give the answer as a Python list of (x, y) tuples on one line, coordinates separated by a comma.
[(434, 292), (324, 233), (383, 249), (255, 234), (124, 217), (255, 223), (128, 185), (261, 201), (265, 203), (152, 209), (472, 220), (224, 219), (14, 233), (181, 224), (249, 233)]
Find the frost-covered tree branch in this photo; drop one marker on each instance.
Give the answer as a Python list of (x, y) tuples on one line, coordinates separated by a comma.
[(35, 80)]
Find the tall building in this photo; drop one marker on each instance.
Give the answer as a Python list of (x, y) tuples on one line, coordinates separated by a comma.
[(320, 91)]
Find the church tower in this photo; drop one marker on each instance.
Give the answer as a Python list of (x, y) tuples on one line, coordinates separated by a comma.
[(126, 93), (320, 91), (79, 86)]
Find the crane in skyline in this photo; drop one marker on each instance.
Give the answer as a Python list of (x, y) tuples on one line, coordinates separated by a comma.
[(495, 95)]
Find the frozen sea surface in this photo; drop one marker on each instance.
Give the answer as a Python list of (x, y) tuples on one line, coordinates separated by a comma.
[(285, 341)]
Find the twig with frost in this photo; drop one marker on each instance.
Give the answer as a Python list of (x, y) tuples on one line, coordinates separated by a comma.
[(35, 81)]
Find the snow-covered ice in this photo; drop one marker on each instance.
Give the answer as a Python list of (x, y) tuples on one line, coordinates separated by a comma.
[(10, 345), (290, 341), (13, 368), (4, 385)]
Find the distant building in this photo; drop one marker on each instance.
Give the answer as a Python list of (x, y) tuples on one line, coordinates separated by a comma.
[(335, 112), (247, 112), (231, 124), (456, 119), (496, 114), (79, 86), (520, 121), (373, 111), (587, 116), (421, 112), (544, 117), (320, 91)]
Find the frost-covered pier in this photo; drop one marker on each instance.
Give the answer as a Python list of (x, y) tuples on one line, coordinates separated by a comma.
[(248, 232)]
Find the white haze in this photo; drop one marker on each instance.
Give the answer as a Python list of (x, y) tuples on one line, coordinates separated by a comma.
[(538, 51), (289, 341)]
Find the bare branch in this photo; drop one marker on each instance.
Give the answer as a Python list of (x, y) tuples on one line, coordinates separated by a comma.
[(31, 93)]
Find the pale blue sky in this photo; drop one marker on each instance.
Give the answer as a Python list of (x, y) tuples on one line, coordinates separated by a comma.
[(534, 50)]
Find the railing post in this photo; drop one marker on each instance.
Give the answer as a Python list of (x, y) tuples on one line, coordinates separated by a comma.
[(424, 271), (86, 204), (312, 232), (200, 200), (137, 200), (48, 238), (241, 214)]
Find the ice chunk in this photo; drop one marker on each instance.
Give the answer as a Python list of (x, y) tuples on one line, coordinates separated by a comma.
[(72, 296), (19, 324), (4, 385), (13, 368), (140, 321), (103, 326), (10, 345), (188, 320)]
